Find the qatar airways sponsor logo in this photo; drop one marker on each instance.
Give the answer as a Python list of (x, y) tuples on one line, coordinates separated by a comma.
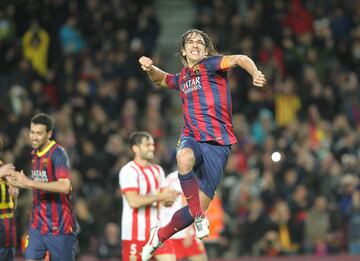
[(39, 175), (191, 85)]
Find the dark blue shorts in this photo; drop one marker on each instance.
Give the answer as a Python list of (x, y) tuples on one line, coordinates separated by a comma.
[(210, 162), (60, 247), (7, 253)]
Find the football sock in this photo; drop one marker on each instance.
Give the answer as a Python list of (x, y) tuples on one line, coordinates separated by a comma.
[(180, 220), (190, 188)]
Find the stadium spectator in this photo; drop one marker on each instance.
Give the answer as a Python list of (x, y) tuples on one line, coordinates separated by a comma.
[(35, 47), (110, 243)]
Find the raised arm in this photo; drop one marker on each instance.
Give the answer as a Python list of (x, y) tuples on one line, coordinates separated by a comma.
[(157, 75), (247, 64)]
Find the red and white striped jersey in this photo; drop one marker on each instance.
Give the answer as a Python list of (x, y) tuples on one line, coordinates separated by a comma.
[(136, 223), (166, 213)]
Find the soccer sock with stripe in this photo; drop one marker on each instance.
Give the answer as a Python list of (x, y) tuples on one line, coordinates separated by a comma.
[(190, 188), (180, 220)]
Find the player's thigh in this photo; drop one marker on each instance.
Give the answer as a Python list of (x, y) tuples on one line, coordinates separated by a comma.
[(190, 143), (211, 170), (197, 251), (186, 251), (61, 247), (7, 253), (200, 257), (35, 248), (165, 252), (131, 250), (166, 257)]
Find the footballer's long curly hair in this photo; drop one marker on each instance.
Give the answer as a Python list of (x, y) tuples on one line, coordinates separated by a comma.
[(209, 45)]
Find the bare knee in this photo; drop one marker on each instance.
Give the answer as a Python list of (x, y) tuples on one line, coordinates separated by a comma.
[(185, 160)]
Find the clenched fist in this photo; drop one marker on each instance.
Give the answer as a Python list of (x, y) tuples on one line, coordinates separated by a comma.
[(259, 79), (146, 63)]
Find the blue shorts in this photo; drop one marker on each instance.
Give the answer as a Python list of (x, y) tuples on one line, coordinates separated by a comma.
[(210, 162), (7, 253), (60, 247)]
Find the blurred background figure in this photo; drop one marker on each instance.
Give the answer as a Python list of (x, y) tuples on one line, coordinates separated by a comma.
[(110, 243), (35, 47)]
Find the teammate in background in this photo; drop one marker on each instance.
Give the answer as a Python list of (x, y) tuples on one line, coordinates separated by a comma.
[(142, 185), (207, 135), (8, 195), (52, 224), (186, 244)]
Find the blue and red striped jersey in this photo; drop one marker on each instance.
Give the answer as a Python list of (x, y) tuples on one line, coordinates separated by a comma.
[(7, 217), (51, 212), (206, 100)]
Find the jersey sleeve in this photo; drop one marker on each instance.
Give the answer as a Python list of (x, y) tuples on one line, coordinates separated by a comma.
[(128, 179), (217, 63), (61, 163), (172, 81)]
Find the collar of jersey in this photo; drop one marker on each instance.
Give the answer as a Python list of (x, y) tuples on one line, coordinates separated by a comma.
[(191, 67), (46, 149)]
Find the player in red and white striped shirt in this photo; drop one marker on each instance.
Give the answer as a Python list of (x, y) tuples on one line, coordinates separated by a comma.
[(142, 185), (186, 244)]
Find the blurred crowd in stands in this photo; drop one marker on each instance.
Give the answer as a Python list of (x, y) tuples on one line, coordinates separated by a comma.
[(77, 60)]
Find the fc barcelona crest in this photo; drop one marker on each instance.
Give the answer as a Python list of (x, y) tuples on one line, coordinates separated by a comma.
[(45, 163), (196, 70)]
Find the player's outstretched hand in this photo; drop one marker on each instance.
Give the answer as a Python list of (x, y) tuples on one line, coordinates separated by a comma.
[(259, 79), (18, 180), (6, 170), (13, 191), (146, 63)]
